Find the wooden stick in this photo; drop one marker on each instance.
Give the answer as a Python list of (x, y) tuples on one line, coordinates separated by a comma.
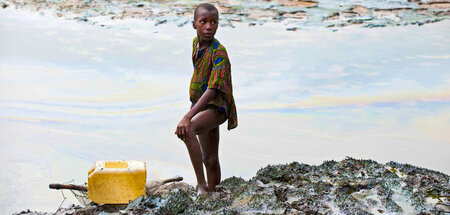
[(68, 187), (173, 179)]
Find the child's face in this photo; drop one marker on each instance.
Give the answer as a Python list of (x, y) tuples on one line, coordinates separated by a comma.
[(206, 24)]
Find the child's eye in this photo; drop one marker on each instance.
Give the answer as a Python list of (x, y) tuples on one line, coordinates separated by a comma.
[(203, 22), (213, 22)]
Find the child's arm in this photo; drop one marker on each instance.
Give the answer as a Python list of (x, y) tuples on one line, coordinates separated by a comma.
[(183, 125)]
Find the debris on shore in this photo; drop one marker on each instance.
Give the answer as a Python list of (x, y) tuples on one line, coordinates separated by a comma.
[(294, 14), (350, 186)]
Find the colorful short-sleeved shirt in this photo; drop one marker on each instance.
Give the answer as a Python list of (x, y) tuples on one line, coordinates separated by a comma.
[(212, 69)]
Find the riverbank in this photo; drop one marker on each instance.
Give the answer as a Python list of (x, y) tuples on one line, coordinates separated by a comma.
[(294, 15), (350, 186)]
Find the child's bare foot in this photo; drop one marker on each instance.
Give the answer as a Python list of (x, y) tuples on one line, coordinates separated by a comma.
[(202, 190)]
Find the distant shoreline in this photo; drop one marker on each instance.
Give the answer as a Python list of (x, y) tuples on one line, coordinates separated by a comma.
[(294, 15)]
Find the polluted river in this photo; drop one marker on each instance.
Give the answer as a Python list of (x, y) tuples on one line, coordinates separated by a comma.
[(311, 86)]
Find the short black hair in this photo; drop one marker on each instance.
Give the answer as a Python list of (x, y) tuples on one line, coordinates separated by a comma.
[(208, 7)]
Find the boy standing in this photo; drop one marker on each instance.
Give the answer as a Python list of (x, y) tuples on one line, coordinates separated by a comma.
[(212, 99)]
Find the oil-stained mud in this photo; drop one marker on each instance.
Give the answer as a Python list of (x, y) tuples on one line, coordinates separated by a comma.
[(350, 186)]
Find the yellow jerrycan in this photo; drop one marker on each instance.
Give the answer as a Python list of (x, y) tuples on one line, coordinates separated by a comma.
[(116, 182)]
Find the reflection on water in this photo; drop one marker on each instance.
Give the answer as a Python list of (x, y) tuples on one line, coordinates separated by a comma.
[(71, 94)]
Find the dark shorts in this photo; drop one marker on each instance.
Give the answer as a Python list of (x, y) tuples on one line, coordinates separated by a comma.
[(216, 109)]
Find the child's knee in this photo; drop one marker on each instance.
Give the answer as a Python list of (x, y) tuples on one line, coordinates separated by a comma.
[(192, 131), (194, 128)]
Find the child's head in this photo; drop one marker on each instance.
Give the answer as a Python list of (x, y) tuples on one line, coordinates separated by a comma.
[(206, 21)]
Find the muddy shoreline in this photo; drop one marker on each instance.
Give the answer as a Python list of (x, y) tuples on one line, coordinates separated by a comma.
[(294, 15), (350, 186)]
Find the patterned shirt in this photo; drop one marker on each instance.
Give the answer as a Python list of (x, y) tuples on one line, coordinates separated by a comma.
[(212, 69)]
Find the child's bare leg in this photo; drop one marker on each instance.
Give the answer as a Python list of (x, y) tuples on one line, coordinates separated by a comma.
[(201, 123), (195, 154), (210, 150)]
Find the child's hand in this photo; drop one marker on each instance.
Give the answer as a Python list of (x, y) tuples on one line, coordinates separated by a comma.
[(183, 128)]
